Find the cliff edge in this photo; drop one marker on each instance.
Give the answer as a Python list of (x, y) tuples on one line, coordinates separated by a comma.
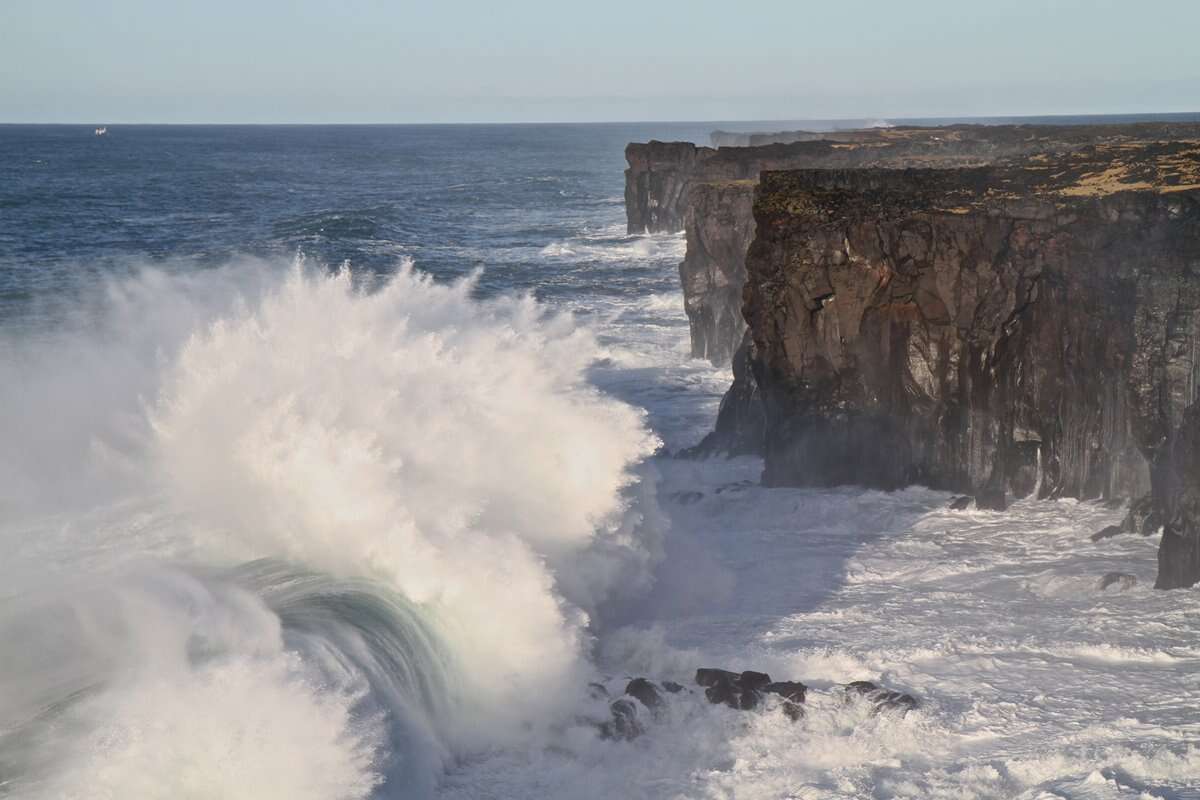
[(999, 331), (709, 193)]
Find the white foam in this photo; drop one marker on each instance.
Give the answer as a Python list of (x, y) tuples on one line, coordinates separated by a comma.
[(450, 449)]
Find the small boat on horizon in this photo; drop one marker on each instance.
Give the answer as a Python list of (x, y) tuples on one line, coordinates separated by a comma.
[(101, 131)]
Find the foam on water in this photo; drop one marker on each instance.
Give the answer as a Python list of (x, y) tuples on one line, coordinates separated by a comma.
[(446, 451), (1080, 694)]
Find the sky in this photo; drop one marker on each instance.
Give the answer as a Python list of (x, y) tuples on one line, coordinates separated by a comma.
[(305, 61)]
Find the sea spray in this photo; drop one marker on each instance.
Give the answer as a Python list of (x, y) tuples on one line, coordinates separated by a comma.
[(456, 500)]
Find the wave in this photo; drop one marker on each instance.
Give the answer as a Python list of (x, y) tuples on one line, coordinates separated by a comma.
[(282, 525), (614, 245)]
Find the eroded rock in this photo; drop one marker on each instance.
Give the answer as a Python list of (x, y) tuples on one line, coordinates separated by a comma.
[(1120, 580), (998, 332), (882, 699), (1108, 533), (645, 692)]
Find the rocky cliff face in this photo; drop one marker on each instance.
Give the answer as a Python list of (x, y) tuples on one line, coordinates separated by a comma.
[(732, 139), (720, 227), (656, 184), (674, 186), (998, 331)]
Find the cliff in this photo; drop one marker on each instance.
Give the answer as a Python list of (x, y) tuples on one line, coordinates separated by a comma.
[(720, 226), (998, 331), (730, 139), (674, 186)]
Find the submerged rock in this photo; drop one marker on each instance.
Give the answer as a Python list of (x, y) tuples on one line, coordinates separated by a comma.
[(733, 689), (707, 676), (793, 694), (1121, 580), (744, 690), (623, 722), (882, 699), (961, 503), (645, 692), (1143, 518), (1109, 532)]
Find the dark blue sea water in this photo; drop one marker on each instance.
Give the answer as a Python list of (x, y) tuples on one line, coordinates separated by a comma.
[(454, 198), (74, 206)]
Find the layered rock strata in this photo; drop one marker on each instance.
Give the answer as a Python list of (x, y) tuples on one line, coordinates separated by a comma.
[(999, 331), (679, 186)]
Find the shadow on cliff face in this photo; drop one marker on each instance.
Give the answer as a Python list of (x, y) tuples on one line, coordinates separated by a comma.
[(740, 556)]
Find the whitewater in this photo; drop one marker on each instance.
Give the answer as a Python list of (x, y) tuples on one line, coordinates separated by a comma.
[(283, 527)]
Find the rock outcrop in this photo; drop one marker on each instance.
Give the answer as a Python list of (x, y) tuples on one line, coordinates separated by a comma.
[(645, 702), (995, 331), (733, 139), (708, 192), (720, 226)]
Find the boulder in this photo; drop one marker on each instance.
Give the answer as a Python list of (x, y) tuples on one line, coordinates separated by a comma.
[(1108, 533), (882, 699), (645, 692), (1121, 580), (622, 723)]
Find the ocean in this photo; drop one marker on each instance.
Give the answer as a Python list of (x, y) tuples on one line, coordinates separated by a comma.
[(338, 462)]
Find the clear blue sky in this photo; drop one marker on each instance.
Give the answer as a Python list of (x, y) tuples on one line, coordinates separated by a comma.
[(542, 60)]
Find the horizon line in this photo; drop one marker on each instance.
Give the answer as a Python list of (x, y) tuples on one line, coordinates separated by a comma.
[(884, 118)]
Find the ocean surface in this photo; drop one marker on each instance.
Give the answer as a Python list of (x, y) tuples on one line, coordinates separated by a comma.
[(337, 463)]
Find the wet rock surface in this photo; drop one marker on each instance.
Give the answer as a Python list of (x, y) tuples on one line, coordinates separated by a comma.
[(1118, 581), (645, 701), (1108, 533), (1002, 332), (882, 699)]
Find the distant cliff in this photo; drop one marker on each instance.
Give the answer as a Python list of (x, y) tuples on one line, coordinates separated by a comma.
[(720, 227), (729, 139), (997, 331), (680, 186)]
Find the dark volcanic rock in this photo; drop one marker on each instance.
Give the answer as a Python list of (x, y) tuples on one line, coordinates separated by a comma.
[(793, 694), (723, 694), (707, 676), (1177, 496), (883, 699), (656, 184), (719, 220), (753, 680), (741, 420), (734, 689), (789, 690), (1122, 580), (1108, 533), (644, 691), (676, 185), (995, 331), (961, 503), (623, 723), (1143, 518)]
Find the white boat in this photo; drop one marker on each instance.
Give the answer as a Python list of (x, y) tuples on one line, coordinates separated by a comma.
[(101, 131)]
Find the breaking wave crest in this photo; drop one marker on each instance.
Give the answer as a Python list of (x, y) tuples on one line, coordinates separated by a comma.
[(335, 535)]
